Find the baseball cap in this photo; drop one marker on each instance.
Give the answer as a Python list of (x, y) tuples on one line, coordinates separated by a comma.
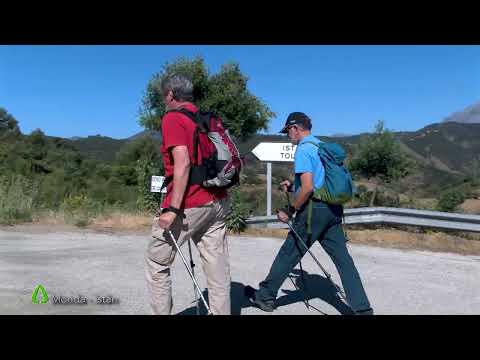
[(297, 118)]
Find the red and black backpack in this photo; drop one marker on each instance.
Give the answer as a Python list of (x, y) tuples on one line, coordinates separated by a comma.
[(221, 162)]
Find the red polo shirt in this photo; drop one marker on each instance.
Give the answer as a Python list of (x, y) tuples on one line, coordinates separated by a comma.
[(178, 129)]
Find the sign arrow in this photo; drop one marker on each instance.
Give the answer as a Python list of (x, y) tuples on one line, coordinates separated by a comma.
[(275, 151)]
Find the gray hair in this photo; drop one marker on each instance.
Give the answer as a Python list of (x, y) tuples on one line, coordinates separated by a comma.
[(180, 85)]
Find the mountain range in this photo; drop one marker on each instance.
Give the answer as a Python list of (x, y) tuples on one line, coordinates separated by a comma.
[(470, 115), (446, 151)]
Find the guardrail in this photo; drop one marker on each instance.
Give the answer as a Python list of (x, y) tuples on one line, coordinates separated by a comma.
[(393, 216)]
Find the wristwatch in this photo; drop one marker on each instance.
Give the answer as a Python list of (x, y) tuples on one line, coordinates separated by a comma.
[(174, 210), (289, 210)]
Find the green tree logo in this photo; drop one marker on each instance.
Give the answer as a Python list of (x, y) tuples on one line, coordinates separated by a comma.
[(44, 295)]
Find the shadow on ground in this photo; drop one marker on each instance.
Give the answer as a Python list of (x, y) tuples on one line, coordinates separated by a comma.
[(317, 287)]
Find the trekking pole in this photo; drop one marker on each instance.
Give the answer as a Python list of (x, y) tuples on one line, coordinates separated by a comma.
[(340, 291), (189, 272), (307, 304), (192, 266)]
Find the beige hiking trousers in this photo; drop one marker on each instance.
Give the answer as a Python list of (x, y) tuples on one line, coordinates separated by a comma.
[(205, 225)]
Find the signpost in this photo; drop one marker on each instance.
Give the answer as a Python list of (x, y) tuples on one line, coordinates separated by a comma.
[(270, 152), (156, 184)]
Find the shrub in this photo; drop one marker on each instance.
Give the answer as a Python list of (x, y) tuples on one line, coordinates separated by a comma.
[(380, 155), (239, 211), (79, 209), (450, 199), (17, 197)]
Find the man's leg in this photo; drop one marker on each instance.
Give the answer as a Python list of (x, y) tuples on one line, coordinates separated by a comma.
[(334, 243), (213, 248), (158, 258), (287, 258)]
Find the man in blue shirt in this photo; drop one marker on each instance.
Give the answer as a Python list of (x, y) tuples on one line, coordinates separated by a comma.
[(326, 224)]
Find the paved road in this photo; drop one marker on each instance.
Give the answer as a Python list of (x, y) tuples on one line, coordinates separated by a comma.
[(92, 265)]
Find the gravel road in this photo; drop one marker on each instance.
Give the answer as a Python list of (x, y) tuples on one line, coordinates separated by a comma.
[(90, 265)]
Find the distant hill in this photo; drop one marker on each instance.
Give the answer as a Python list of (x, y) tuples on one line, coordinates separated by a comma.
[(102, 148), (443, 151), (470, 115), (447, 146), (340, 135), (156, 135)]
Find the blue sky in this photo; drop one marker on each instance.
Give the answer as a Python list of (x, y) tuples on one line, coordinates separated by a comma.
[(86, 90)]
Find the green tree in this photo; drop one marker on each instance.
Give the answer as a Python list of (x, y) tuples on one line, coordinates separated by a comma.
[(8, 124), (225, 93), (142, 148), (380, 156)]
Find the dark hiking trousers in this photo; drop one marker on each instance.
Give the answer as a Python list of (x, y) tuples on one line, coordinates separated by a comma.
[(327, 228)]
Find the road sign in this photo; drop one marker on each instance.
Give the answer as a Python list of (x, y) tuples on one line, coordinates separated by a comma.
[(274, 151), (156, 185)]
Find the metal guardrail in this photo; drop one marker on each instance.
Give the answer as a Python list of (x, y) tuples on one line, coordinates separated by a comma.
[(393, 216)]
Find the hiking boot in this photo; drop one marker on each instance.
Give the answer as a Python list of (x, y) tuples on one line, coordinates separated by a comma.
[(265, 305), (368, 311)]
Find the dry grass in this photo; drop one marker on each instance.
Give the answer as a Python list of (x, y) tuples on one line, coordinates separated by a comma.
[(431, 241), (390, 238), (49, 218), (399, 239), (118, 221), (261, 232), (115, 221)]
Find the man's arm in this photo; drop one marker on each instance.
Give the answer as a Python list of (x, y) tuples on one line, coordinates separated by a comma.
[(181, 172), (303, 195), (305, 191)]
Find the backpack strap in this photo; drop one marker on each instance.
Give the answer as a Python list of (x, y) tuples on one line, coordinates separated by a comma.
[(309, 216), (192, 116), (201, 119), (310, 205), (313, 143)]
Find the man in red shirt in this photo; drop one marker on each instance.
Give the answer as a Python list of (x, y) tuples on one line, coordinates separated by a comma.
[(190, 210)]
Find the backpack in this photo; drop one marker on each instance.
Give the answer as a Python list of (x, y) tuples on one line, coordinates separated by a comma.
[(338, 187), (221, 162)]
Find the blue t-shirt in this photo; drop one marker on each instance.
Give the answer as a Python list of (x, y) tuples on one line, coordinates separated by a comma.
[(307, 160)]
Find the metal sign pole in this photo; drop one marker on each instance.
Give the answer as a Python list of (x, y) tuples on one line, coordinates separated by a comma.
[(269, 188), (270, 152)]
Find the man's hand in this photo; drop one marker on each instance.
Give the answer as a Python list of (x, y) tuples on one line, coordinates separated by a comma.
[(282, 216), (284, 185), (166, 220)]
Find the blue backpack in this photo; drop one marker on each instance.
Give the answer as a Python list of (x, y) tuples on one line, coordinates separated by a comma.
[(338, 187)]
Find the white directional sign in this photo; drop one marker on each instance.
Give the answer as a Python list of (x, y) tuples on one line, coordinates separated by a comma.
[(274, 151), (156, 185)]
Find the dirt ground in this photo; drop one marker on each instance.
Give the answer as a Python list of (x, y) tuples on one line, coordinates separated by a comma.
[(471, 206)]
